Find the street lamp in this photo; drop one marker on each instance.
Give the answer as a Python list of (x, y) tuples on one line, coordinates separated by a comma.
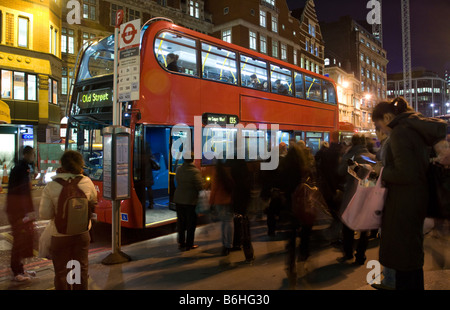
[(432, 109)]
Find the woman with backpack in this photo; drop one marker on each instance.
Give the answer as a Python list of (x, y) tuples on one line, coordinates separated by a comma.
[(68, 191)]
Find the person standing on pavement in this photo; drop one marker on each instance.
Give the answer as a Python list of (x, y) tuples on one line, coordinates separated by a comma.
[(241, 199), (189, 184), (407, 161), (272, 191), (220, 197), (354, 154), (294, 171), (64, 247), (20, 213)]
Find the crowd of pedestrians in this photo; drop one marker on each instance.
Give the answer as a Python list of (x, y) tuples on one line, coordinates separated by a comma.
[(404, 137)]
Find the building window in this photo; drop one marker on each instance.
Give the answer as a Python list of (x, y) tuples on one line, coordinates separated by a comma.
[(262, 18), (9, 29), (89, 9), (263, 44), (67, 41), (53, 41), (295, 57), (194, 9), (52, 91), (306, 45), (275, 24), (23, 24), (64, 81), (18, 85), (283, 51), (133, 14), (226, 35), (271, 2), (252, 42), (87, 36), (312, 30), (274, 48), (6, 85), (31, 87)]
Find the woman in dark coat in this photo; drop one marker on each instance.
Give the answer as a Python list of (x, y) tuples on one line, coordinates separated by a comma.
[(407, 161)]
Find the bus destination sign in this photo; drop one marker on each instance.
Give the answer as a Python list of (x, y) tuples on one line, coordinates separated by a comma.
[(219, 119), (95, 98)]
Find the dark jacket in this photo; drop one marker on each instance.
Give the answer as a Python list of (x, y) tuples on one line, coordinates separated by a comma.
[(19, 201), (241, 186), (407, 161), (189, 183)]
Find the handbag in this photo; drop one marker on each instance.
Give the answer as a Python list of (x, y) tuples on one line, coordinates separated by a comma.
[(364, 211), (203, 206), (439, 192), (309, 206), (45, 240)]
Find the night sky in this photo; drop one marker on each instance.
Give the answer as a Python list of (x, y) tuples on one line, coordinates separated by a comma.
[(430, 29)]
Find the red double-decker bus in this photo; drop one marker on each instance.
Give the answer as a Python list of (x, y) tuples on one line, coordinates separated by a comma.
[(184, 74)]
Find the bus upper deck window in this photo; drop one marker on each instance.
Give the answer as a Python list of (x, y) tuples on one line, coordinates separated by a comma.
[(313, 88), (329, 92), (176, 53), (299, 85), (218, 64), (281, 80), (254, 73)]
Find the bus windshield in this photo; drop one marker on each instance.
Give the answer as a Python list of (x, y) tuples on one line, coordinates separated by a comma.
[(87, 140), (98, 59)]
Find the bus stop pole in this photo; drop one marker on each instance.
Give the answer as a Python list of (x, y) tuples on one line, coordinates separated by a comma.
[(116, 256)]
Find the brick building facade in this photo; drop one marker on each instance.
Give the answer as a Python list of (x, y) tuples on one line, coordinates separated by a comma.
[(268, 27)]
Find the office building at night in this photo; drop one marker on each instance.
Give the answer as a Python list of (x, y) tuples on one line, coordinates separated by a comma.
[(429, 91)]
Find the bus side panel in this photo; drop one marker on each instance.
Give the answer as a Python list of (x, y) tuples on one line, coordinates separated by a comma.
[(184, 99), (280, 112), (219, 98)]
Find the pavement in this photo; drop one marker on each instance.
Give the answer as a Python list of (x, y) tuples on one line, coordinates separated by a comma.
[(158, 264)]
